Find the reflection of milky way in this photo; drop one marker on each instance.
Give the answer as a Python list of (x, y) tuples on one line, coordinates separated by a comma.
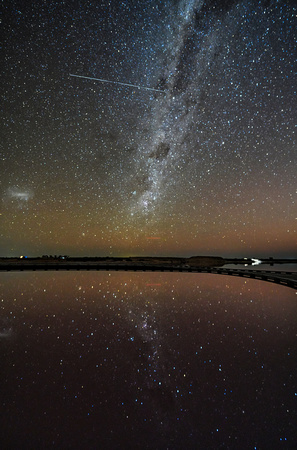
[(153, 370), (175, 115), (92, 348)]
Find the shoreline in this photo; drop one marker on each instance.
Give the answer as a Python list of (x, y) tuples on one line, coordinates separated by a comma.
[(139, 261)]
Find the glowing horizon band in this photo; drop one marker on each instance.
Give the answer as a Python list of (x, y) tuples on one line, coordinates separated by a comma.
[(115, 82)]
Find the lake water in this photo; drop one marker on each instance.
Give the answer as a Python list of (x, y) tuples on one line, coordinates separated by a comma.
[(147, 360)]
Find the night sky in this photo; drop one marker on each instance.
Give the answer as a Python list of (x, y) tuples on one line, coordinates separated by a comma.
[(206, 166)]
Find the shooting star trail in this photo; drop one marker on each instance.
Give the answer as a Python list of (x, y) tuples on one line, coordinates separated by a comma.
[(116, 82)]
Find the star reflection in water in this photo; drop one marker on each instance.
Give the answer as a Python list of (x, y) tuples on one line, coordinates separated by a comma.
[(147, 361)]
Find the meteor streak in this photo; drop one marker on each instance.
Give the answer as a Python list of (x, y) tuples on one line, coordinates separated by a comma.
[(116, 82)]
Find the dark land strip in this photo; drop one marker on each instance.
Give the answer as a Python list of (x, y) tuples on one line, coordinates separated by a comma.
[(151, 264)]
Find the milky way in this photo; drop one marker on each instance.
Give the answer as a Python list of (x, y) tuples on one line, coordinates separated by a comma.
[(172, 139), (206, 165)]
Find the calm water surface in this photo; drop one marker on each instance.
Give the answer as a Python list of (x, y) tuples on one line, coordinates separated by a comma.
[(147, 360)]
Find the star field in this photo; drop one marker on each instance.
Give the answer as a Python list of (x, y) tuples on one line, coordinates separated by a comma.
[(94, 168)]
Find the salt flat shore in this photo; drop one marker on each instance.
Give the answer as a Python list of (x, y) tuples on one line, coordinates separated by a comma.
[(35, 263), (196, 261)]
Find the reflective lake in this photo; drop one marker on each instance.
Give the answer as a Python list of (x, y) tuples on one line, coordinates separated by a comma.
[(147, 360)]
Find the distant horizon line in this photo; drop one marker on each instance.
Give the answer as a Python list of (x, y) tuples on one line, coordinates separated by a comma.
[(264, 258)]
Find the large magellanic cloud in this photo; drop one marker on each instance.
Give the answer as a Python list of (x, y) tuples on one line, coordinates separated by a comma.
[(18, 196)]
